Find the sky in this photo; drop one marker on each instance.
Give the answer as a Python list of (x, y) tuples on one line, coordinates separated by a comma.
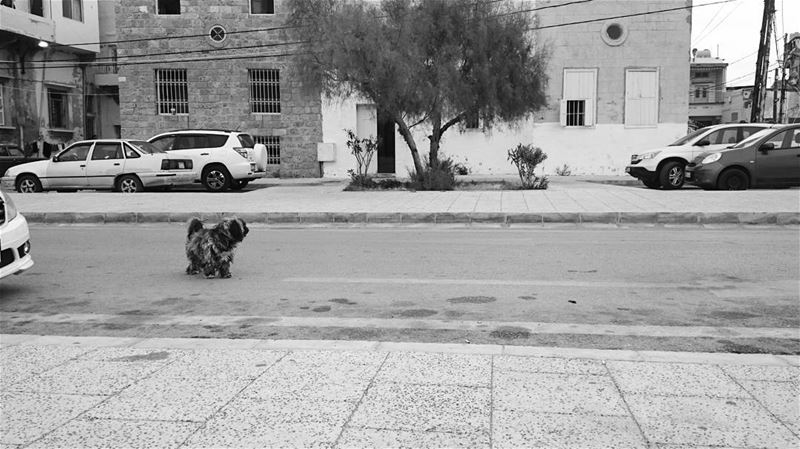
[(732, 31)]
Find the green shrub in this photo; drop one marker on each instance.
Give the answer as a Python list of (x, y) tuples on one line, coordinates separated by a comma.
[(363, 150), (438, 175), (526, 158), (564, 170)]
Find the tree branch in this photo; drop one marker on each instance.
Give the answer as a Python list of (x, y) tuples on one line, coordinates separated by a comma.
[(452, 122)]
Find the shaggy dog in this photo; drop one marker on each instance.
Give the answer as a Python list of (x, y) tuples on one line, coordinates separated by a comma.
[(210, 250)]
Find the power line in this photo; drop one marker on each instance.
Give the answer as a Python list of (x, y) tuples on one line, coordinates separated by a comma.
[(720, 22), (721, 8)]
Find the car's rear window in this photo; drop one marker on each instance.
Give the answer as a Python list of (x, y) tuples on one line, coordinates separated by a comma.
[(192, 141), (246, 140)]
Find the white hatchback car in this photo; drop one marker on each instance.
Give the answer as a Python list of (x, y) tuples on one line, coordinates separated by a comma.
[(124, 165), (15, 239), (224, 159), (665, 167)]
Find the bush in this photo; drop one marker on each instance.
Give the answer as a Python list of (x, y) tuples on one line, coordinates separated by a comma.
[(526, 158), (363, 150), (461, 169), (438, 175), (564, 170)]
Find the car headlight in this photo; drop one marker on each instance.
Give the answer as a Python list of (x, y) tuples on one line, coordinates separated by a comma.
[(649, 155), (713, 157)]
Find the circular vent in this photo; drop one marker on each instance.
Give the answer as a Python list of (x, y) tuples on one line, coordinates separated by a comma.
[(217, 33), (614, 33)]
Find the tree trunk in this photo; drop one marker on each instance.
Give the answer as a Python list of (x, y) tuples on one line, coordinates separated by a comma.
[(412, 146), (435, 138)]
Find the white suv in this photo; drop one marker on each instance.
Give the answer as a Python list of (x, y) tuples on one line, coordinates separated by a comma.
[(223, 159), (664, 167)]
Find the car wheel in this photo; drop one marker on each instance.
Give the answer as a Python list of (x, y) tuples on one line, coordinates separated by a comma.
[(216, 178), (671, 175), (654, 184), (129, 184), (28, 184), (733, 179), (237, 184)]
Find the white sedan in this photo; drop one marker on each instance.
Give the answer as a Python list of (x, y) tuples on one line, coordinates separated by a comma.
[(15, 239), (113, 164)]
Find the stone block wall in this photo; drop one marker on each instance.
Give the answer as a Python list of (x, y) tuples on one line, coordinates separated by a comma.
[(217, 75)]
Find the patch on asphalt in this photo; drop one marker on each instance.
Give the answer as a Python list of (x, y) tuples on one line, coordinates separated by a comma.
[(510, 333), (472, 300), (581, 271), (730, 315), (161, 355), (116, 326), (416, 313), (168, 301), (321, 309), (528, 298), (344, 301), (402, 303), (453, 313)]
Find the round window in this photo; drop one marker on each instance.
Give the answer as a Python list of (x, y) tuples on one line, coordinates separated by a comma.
[(614, 33), (217, 33)]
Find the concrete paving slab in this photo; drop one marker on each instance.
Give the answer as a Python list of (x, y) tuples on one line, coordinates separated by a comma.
[(556, 393), (553, 430), (257, 435), (674, 379), (176, 400), (86, 377), (782, 399), (441, 369), (219, 364), (25, 417), (549, 365), (764, 373), (23, 361), (108, 433), (281, 410), (356, 437), (197, 343), (709, 422), (425, 408)]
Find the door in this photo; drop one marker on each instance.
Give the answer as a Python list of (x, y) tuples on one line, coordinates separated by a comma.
[(386, 129), (69, 168), (367, 124), (104, 164), (641, 97), (780, 165)]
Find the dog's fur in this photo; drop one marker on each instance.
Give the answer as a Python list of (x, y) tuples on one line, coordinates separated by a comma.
[(210, 250)]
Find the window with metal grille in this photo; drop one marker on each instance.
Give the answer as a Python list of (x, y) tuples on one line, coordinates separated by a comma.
[(2, 106), (576, 112), (172, 90), (262, 6), (265, 91), (169, 6), (273, 144), (58, 101), (72, 9)]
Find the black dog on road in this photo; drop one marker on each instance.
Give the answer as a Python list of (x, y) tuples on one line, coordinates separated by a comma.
[(210, 250)]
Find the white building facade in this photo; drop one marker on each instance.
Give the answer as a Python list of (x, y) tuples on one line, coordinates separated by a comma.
[(618, 82)]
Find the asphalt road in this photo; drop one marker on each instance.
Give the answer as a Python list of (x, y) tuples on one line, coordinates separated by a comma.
[(689, 289)]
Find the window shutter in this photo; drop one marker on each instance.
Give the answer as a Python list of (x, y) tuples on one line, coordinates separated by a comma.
[(563, 113), (589, 112)]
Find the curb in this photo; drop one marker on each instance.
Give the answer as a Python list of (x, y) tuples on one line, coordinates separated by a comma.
[(403, 218)]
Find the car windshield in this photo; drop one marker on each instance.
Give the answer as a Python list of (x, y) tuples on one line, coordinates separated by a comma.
[(753, 138), (146, 147), (689, 137), (246, 140)]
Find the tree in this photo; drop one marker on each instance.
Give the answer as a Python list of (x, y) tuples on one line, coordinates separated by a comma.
[(431, 62)]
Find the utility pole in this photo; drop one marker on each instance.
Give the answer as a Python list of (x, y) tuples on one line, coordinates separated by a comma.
[(762, 63), (775, 98), (784, 66)]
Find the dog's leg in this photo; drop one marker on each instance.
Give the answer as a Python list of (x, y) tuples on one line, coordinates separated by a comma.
[(225, 270), (209, 271)]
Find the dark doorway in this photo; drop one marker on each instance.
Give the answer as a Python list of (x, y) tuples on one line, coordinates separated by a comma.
[(385, 143)]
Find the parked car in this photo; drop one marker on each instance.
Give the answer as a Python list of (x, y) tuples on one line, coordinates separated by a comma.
[(123, 165), (224, 159), (11, 154), (768, 158), (15, 239), (664, 167)]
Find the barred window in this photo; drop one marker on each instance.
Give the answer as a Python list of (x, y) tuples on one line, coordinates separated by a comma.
[(273, 144), (576, 112), (2, 106), (58, 101), (265, 91), (72, 9), (172, 90), (169, 6), (262, 6)]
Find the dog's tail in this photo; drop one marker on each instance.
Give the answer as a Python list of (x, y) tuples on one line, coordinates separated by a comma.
[(194, 225)]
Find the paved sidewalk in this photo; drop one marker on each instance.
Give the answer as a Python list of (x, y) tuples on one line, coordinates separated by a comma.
[(196, 393), (575, 200)]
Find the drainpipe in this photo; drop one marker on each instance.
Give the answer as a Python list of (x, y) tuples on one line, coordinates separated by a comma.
[(85, 97)]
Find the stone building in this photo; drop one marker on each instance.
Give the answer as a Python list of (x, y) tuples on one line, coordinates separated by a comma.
[(707, 89), (225, 65), (45, 46)]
